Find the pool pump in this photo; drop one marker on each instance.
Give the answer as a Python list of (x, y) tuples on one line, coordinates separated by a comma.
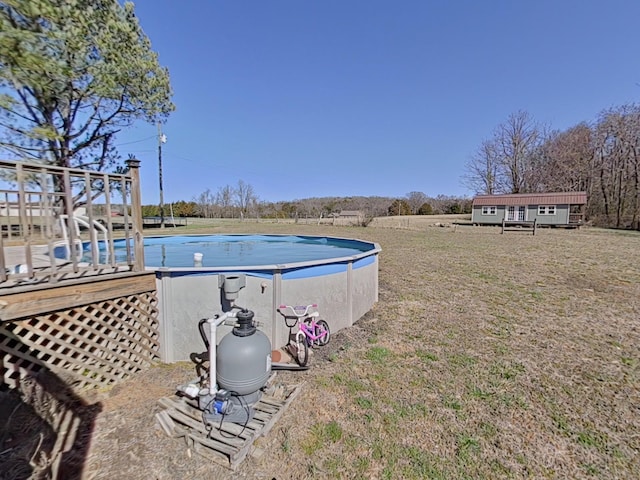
[(239, 367)]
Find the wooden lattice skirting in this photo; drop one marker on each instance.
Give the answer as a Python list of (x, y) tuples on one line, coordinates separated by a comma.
[(228, 444), (88, 345)]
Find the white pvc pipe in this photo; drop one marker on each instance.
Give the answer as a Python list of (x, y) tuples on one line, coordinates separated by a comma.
[(213, 326)]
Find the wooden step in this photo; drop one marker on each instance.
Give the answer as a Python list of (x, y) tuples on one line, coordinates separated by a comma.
[(226, 443)]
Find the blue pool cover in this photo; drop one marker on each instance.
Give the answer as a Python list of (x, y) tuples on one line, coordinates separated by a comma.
[(243, 250)]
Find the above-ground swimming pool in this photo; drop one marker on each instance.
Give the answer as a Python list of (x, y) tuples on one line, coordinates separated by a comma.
[(340, 275), (241, 250)]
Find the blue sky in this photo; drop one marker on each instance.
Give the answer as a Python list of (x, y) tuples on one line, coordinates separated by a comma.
[(311, 98)]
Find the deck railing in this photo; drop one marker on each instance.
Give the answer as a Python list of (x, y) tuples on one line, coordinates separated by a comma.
[(58, 223), (576, 218)]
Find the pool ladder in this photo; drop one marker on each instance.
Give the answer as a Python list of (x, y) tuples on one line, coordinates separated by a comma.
[(77, 221)]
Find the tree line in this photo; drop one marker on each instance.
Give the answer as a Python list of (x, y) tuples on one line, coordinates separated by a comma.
[(601, 158), (241, 201)]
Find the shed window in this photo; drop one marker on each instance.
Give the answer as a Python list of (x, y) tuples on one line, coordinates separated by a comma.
[(546, 209), (488, 210)]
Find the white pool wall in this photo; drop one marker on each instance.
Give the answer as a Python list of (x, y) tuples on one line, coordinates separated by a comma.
[(188, 295)]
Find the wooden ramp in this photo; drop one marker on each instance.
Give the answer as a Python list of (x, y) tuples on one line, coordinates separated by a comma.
[(227, 444)]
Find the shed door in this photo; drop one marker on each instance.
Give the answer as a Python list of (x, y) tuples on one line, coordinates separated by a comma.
[(514, 215)]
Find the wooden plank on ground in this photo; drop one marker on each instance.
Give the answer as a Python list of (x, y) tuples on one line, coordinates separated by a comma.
[(168, 425), (290, 398), (227, 443)]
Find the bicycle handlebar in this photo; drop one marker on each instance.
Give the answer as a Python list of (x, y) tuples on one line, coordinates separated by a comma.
[(296, 309)]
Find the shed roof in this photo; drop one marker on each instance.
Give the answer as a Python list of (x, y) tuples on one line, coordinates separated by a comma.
[(553, 198)]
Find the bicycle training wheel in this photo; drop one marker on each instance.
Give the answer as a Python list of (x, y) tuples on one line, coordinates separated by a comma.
[(323, 332), (303, 352)]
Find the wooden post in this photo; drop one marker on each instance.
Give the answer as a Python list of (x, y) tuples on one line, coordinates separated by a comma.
[(502, 226), (24, 226), (107, 200), (535, 222), (3, 269), (74, 232), (93, 238), (136, 214)]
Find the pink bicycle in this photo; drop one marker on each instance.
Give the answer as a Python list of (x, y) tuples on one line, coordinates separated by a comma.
[(312, 331)]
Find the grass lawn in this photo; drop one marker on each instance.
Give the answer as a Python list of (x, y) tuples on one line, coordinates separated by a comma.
[(487, 356)]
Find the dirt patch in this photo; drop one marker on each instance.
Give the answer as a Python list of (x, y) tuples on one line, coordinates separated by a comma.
[(487, 356)]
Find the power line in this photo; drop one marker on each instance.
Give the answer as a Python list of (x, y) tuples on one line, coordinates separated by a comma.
[(135, 141)]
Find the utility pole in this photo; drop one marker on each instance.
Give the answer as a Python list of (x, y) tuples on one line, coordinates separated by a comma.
[(161, 139)]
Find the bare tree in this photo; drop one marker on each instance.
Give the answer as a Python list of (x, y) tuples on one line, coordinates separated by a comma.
[(617, 148), (516, 142), (206, 204), (568, 160), (244, 197), (507, 162), (309, 208), (415, 201), (224, 199), (482, 169)]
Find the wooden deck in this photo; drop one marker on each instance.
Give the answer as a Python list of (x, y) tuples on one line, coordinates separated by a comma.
[(93, 332), (227, 444)]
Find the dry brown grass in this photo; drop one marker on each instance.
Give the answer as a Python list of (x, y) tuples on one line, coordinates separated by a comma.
[(418, 222), (487, 356)]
